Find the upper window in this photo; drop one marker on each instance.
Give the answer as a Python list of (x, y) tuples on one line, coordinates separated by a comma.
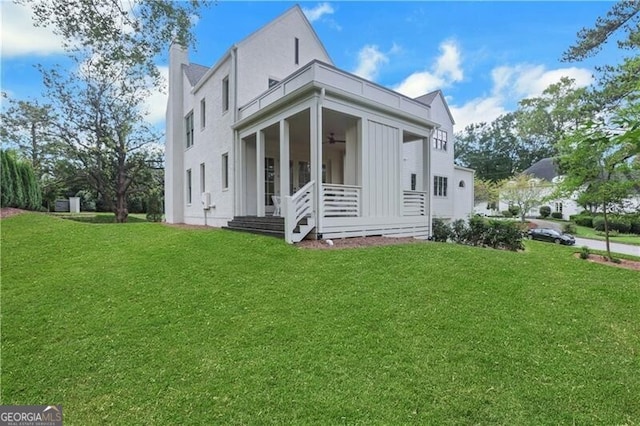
[(440, 186), (203, 113), (297, 51), (413, 181), (461, 184), (225, 94), (188, 124), (440, 139)]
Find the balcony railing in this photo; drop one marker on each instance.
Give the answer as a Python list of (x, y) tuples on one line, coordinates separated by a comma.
[(340, 200), (414, 203)]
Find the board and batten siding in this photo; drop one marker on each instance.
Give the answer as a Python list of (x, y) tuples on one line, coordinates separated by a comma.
[(381, 175)]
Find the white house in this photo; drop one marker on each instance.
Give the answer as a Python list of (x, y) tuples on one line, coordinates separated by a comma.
[(274, 137)]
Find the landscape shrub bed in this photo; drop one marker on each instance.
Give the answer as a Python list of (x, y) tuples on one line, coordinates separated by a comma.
[(497, 234)]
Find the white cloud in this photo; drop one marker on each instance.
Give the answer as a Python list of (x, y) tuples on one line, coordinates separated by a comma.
[(156, 104), (21, 38), (510, 85), (478, 110), (370, 58), (446, 70), (318, 12)]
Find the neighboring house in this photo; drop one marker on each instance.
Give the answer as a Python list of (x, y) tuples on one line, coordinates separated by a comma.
[(274, 131), (546, 172)]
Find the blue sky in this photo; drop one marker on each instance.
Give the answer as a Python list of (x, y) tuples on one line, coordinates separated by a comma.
[(485, 56)]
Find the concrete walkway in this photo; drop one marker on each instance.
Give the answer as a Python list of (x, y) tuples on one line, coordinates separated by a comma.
[(592, 244)]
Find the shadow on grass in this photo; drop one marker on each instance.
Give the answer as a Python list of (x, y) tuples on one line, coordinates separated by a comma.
[(100, 218)]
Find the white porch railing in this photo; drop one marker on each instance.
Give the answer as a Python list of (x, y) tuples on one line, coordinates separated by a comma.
[(340, 200), (414, 203), (295, 208)]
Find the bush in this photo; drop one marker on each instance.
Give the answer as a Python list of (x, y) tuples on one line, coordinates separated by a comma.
[(507, 213), (545, 211), (154, 207), (616, 223), (556, 215), (569, 228), (584, 252), (515, 210), (459, 231), (582, 220), (634, 221)]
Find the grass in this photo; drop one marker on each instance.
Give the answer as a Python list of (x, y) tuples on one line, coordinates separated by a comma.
[(147, 324), (586, 232), (590, 233), (90, 217)]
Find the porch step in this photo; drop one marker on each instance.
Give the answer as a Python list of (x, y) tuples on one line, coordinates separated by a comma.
[(268, 225)]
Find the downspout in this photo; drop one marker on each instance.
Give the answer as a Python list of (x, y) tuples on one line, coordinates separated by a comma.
[(237, 207), (318, 177)]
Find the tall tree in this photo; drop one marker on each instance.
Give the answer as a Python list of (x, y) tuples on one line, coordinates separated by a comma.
[(600, 160), (618, 82), (29, 126), (99, 104)]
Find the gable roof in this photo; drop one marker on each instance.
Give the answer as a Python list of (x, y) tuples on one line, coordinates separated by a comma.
[(293, 10), (194, 72), (428, 99), (546, 169)]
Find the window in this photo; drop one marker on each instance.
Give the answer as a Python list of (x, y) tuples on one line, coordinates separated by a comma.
[(440, 186), (189, 186), (269, 180), (559, 207), (440, 140), (188, 123), (413, 181), (461, 184), (202, 178), (297, 51), (273, 82), (225, 94), (304, 173), (225, 171), (203, 114)]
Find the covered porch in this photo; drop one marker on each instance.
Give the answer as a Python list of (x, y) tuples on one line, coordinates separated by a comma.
[(329, 164)]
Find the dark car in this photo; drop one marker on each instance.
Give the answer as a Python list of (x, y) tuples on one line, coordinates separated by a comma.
[(551, 235)]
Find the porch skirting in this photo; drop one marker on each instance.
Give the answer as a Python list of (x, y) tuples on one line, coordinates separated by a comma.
[(345, 227)]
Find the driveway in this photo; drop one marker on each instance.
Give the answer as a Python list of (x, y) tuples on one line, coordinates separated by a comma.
[(592, 244)]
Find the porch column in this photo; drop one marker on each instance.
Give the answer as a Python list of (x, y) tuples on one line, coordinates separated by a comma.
[(284, 160), (315, 137), (260, 142)]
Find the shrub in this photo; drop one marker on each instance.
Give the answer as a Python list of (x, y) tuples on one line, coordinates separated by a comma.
[(582, 220), (154, 207), (584, 252), (616, 223), (515, 210), (477, 228), (569, 228), (634, 221), (556, 215), (459, 231), (545, 211), (503, 235), (507, 213)]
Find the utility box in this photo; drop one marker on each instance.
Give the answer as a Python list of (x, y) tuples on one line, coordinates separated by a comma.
[(74, 204)]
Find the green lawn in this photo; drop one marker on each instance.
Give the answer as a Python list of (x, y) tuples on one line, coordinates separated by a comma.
[(147, 324), (586, 232)]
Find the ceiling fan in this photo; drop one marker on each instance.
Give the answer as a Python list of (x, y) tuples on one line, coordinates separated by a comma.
[(332, 139)]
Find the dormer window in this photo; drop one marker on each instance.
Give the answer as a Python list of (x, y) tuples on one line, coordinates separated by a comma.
[(273, 82)]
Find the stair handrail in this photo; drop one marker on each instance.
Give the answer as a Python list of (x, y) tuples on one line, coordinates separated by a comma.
[(296, 207)]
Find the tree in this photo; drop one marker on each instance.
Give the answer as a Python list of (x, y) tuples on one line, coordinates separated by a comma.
[(29, 126), (619, 82), (485, 191), (601, 160), (524, 192), (99, 110), (19, 185)]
